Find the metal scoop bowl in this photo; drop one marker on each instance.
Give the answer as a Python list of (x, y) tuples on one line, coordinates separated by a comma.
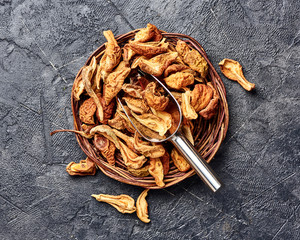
[(183, 145)]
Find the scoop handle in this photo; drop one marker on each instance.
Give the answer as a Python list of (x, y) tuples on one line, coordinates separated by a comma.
[(196, 161)]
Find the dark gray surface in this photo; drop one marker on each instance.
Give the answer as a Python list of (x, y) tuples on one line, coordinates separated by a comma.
[(44, 43)]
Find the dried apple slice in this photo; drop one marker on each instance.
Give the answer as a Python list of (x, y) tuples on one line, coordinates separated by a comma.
[(233, 70)]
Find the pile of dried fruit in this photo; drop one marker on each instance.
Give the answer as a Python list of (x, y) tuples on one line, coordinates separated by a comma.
[(181, 68)]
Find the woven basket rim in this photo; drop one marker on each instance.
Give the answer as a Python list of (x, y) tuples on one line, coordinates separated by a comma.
[(208, 150)]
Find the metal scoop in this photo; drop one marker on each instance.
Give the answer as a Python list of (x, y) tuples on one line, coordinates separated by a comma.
[(181, 143)]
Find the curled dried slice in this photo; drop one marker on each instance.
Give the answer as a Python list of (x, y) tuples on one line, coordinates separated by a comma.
[(233, 70), (153, 122), (192, 58), (147, 34), (131, 159), (142, 207), (187, 110), (78, 88), (127, 123), (86, 76), (114, 84), (132, 90), (136, 105), (83, 168), (157, 171), (87, 111), (157, 64), (211, 109), (179, 80), (153, 151), (128, 53), (140, 172), (149, 49), (179, 161), (186, 128), (146, 131), (123, 203), (111, 56), (117, 122), (128, 140), (106, 147), (154, 97), (173, 68), (201, 96), (107, 109), (107, 132)]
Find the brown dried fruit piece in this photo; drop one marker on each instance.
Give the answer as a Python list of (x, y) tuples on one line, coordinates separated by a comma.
[(187, 110), (131, 159), (179, 161), (157, 171), (173, 68), (123, 203), (153, 151), (154, 97), (141, 172), (128, 140), (86, 77), (155, 65), (201, 96), (179, 80), (78, 88), (107, 132), (114, 83), (192, 58), (136, 105), (147, 34), (142, 207), (87, 111), (211, 109), (106, 147), (233, 70), (132, 90), (153, 122), (149, 49), (111, 56), (83, 168)]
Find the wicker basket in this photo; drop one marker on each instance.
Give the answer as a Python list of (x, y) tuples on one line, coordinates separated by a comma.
[(208, 135)]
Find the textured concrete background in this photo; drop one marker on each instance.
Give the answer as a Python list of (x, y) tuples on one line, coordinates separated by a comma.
[(44, 43)]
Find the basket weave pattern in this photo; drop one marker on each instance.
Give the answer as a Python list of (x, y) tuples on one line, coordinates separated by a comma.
[(208, 134)]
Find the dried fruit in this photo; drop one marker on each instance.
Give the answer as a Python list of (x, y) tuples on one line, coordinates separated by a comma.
[(123, 203), (173, 68), (86, 77), (87, 111), (107, 132), (130, 158), (157, 171), (132, 90), (142, 207), (128, 140), (114, 84), (153, 122), (192, 58), (201, 96), (141, 172), (111, 57), (233, 70), (147, 34), (106, 147), (78, 88), (154, 97), (179, 161), (186, 128), (179, 80), (83, 168), (155, 65), (149, 49), (187, 110), (136, 105), (211, 109), (148, 150)]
